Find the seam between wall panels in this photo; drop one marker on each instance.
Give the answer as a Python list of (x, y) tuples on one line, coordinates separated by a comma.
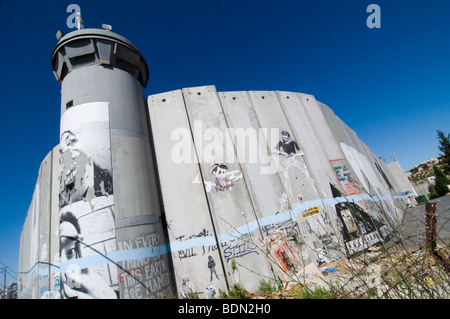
[(320, 193), (219, 251), (50, 221), (308, 166), (242, 170), (246, 183), (291, 206), (333, 177)]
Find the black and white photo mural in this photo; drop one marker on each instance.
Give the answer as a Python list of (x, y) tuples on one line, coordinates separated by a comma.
[(87, 230)]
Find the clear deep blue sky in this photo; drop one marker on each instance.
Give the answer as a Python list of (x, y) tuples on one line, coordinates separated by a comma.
[(390, 85)]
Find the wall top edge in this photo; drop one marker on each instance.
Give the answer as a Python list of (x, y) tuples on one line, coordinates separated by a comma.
[(212, 87)]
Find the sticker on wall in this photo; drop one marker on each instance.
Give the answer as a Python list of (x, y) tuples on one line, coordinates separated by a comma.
[(211, 292), (310, 212), (186, 286)]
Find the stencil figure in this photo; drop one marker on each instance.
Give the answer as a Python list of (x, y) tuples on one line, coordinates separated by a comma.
[(212, 267), (286, 146)]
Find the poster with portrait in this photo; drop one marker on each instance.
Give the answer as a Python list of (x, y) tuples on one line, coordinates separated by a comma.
[(86, 203)]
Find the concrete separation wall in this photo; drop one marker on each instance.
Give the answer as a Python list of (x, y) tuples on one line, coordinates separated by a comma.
[(39, 242), (254, 185), (272, 182)]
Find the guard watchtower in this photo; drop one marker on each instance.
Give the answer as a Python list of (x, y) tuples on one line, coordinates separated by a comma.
[(107, 175)]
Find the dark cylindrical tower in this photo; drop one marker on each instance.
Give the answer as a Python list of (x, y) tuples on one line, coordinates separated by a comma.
[(109, 204)]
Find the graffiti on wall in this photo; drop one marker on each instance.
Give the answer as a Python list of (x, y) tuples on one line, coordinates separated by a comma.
[(223, 179), (86, 202), (286, 146), (290, 259), (239, 247), (369, 180), (359, 230), (282, 253), (199, 248), (148, 277), (235, 246), (345, 178), (315, 226), (297, 182), (289, 227)]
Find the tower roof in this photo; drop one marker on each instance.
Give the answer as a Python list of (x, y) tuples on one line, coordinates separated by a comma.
[(97, 47)]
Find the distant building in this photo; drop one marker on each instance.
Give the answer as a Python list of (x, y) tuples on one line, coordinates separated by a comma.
[(10, 292)]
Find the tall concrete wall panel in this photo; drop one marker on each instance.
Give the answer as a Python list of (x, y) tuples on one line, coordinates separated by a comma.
[(32, 241), (254, 154), (54, 251), (262, 178), (44, 268), (25, 264), (322, 227), (39, 244), (231, 206), (302, 176), (399, 176), (372, 174), (304, 161), (193, 241)]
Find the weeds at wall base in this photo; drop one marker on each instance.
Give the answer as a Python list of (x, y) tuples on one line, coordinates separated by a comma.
[(387, 270), (394, 275)]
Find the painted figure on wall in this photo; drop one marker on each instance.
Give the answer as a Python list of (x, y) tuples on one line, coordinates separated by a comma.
[(286, 146), (224, 179), (212, 267)]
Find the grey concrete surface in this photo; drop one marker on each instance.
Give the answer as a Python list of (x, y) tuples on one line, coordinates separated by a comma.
[(413, 226)]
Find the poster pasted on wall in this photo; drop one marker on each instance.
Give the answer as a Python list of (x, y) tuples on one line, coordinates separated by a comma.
[(359, 230), (345, 178), (86, 202)]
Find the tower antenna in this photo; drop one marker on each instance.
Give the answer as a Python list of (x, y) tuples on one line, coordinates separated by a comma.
[(79, 21)]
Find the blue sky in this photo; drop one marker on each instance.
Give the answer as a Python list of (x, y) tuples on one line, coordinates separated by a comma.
[(390, 85)]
